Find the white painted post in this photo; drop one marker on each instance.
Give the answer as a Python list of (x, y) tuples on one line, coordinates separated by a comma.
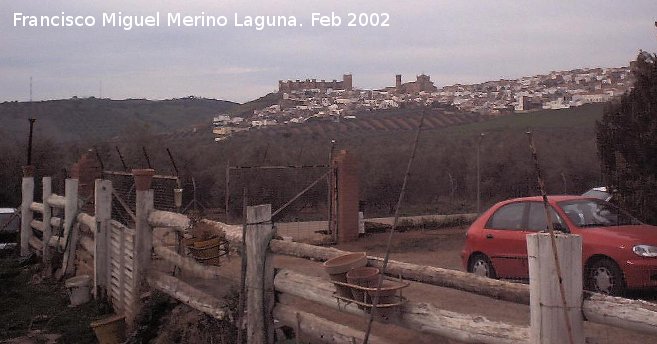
[(103, 214), (122, 273), (70, 233), (26, 213), (259, 275), (70, 205), (548, 319), (143, 231), (47, 227)]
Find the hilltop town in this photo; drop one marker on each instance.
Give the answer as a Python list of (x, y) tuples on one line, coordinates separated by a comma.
[(311, 99)]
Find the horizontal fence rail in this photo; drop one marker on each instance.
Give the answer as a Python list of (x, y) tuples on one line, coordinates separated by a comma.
[(119, 260)]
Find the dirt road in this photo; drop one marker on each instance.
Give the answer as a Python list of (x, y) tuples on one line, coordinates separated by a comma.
[(441, 248)]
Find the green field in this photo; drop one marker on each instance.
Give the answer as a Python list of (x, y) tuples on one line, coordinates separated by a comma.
[(582, 117)]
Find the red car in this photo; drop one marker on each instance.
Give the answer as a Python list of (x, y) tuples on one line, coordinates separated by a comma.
[(618, 251)]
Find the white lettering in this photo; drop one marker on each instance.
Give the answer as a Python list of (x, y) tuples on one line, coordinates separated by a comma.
[(18, 17), (61, 20), (203, 20), (261, 22)]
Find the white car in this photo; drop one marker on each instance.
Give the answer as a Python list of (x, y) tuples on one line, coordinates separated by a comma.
[(600, 192), (9, 222)]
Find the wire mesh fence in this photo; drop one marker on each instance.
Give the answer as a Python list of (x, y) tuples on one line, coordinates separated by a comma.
[(299, 196), (123, 200)]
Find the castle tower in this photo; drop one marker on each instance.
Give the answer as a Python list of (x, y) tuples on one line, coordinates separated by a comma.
[(398, 81), (347, 82)]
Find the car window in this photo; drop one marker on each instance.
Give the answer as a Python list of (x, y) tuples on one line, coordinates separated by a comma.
[(507, 217), (537, 219), (596, 213), (8, 222)]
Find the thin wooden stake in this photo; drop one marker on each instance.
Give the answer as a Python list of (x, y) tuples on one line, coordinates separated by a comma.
[(298, 329), (548, 216), (375, 300), (125, 167)]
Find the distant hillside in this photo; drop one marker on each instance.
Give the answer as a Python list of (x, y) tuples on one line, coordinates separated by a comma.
[(82, 119), (246, 109), (446, 121)]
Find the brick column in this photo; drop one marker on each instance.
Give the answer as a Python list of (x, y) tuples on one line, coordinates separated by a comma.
[(86, 171), (348, 196)]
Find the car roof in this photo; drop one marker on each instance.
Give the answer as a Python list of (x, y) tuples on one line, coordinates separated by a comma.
[(551, 198)]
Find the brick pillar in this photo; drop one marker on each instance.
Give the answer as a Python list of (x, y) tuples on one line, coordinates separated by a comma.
[(86, 171), (348, 196)]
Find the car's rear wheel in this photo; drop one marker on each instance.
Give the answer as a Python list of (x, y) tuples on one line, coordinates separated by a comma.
[(604, 276), (482, 266)]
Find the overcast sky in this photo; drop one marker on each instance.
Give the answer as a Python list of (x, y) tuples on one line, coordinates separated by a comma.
[(454, 41)]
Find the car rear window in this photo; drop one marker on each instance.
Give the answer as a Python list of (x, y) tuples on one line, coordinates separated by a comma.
[(537, 219)]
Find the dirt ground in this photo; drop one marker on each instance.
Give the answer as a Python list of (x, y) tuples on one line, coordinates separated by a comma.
[(37, 312), (441, 248)]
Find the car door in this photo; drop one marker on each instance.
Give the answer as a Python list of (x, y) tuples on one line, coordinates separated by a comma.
[(537, 222), (505, 240)]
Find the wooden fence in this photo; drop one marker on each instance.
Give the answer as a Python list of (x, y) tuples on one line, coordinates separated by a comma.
[(122, 264), (90, 245)]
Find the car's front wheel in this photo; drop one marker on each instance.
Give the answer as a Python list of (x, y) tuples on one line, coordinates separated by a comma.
[(480, 265), (604, 276)]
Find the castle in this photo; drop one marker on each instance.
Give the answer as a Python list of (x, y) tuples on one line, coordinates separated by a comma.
[(308, 84), (422, 83)]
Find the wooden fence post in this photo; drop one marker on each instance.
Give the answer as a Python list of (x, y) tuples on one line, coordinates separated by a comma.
[(47, 227), (143, 244), (548, 319), (259, 275), (26, 213), (103, 214), (70, 232)]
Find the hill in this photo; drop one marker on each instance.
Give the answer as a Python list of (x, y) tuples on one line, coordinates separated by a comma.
[(444, 172), (92, 119), (443, 178), (246, 109), (441, 121)]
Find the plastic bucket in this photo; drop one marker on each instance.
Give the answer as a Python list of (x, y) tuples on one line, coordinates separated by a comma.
[(79, 289), (110, 330)]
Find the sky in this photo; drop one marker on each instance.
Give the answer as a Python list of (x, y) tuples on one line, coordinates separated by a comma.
[(456, 41)]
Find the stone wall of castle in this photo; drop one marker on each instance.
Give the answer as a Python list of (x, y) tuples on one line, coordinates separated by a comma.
[(308, 84)]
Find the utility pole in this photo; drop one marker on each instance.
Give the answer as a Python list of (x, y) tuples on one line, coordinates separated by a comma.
[(481, 136), (29, 141)]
